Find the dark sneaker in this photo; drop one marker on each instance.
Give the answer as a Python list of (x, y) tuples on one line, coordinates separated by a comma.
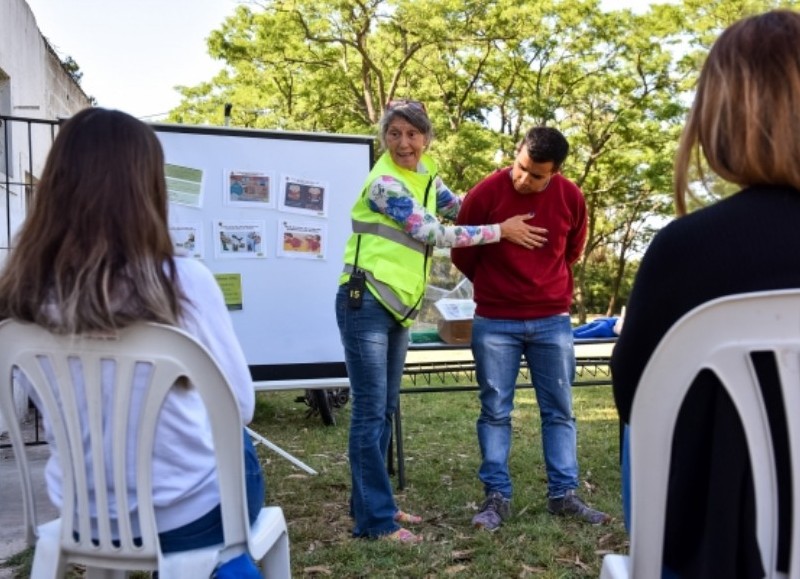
[(571, 505), (494, 510)]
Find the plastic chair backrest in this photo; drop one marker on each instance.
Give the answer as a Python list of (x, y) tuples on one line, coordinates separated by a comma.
[(721, 336), (123, 530)]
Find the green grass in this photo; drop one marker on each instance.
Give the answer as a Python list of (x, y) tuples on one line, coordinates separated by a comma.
[(20, 563), (441, 484)]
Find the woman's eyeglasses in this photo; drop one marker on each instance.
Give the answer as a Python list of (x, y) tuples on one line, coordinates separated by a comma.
[(397, 103)]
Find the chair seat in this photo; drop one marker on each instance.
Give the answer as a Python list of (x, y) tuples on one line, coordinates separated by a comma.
[(267, 534)]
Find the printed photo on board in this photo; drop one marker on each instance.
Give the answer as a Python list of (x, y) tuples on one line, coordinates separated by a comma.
[(303, 196), (301, 240), (248, 189), (239, 239), (184, 185), (187, 239)]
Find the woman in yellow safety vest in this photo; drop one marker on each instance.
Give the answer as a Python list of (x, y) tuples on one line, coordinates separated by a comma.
[(387, 260)]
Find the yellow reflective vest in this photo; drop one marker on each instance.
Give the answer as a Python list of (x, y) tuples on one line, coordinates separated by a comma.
[(395, 264)]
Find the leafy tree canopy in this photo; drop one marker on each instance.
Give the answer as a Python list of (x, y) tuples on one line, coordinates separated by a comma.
[(617, 83)]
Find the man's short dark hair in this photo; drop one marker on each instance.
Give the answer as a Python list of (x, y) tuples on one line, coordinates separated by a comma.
[(546, 144)]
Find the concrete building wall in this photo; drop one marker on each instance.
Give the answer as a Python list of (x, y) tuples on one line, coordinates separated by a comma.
[(33, 85), (39, 86)]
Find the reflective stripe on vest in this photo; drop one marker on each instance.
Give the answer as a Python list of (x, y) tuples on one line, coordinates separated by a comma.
[(389, 233)]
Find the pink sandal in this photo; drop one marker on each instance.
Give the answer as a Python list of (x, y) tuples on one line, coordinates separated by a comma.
[(407, 518), (403, 536)]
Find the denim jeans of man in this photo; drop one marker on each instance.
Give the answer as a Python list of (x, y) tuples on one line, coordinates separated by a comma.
[(547, 344), (375, 346)]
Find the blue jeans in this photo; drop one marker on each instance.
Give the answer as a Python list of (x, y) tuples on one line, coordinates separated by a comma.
[(547, 344), (375, 347), (207, 530), (625, 467)]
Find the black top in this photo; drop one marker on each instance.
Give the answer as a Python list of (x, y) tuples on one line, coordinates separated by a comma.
[(748, 242)]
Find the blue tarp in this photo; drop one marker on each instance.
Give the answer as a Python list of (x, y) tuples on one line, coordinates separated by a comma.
[(599, 328)]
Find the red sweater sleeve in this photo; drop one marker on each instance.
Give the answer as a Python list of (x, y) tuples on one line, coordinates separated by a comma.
[(576, 238)]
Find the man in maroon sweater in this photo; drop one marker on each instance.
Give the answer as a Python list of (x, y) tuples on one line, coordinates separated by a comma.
[(523, 297)]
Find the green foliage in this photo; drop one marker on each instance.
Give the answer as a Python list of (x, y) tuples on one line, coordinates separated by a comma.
[(74, 70), (601, 274), (616, 83), (19, 564)]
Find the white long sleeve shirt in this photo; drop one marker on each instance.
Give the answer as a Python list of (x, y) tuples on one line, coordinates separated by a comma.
[(184, 476)]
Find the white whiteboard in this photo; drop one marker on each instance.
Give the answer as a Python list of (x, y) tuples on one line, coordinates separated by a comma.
[(287, 322)]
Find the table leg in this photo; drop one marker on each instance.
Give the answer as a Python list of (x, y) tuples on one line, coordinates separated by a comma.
[(390, 454), (398, 436)]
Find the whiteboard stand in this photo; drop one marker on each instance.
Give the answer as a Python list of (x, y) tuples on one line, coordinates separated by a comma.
[(275, 385), (285, 292), (293, 459)]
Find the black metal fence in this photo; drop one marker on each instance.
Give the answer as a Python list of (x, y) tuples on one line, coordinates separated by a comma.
[(24, 144)]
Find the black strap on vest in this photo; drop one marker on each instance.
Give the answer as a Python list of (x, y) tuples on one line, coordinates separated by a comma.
[(358, 248), (428, 250)]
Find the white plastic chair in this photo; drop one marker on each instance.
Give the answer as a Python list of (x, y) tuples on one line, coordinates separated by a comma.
[(720, 336), (172, 354)]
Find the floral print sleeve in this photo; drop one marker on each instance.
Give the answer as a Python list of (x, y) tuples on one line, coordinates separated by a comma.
[(390, 197), (447, 202)]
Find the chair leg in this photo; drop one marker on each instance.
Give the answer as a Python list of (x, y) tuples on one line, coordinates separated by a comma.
[(276, 563), (615, 567), (48, 560), (48, 567)]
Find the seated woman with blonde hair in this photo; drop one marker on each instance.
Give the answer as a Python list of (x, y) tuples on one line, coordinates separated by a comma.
[(745, 124)]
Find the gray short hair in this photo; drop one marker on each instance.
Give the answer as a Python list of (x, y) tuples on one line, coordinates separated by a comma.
[(411, 111)]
